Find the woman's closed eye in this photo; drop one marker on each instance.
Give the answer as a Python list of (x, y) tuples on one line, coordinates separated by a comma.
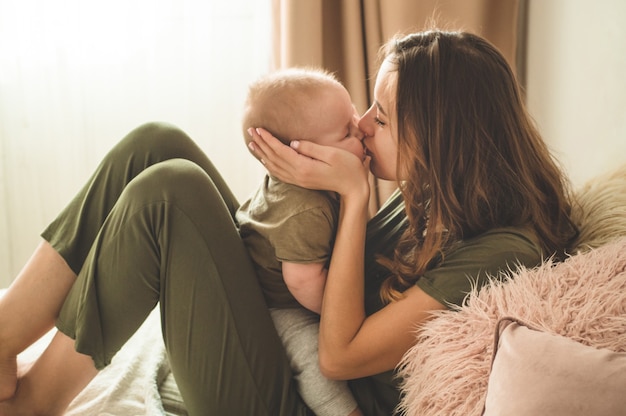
[(379, 122)]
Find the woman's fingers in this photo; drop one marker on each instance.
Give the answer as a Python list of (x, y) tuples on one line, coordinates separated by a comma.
[(273, 149), (288, 163), (312, 150), (280, 160), (257, 145), (308, 164)]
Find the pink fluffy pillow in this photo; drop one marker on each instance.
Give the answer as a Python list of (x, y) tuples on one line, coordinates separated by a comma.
[(583, 298)]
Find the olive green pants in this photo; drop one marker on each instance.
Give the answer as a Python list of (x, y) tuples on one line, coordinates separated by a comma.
[(154, 224)]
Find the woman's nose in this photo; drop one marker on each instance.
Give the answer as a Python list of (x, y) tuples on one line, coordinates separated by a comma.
[(363, 127)]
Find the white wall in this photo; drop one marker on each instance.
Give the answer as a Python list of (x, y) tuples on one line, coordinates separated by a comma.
[(576, 82), (76, 76)]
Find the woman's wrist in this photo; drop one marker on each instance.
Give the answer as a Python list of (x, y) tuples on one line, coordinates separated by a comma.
[(355, 210), (356, 197)]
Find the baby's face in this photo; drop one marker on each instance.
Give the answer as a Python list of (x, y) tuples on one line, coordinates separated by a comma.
[(335, 122)]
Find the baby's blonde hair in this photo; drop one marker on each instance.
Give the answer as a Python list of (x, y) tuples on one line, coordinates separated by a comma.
[(277, 101)]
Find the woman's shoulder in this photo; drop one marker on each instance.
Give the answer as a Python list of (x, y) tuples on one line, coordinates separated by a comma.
[(473, 262), (506, 239), (495, 249)]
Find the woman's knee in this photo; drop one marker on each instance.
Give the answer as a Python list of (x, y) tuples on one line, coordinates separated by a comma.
[(158, 141), (173, 180)]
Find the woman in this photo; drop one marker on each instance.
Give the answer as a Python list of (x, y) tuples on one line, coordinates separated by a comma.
[(480, 194)]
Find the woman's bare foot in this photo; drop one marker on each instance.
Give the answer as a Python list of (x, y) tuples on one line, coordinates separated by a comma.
[(27, 312), (8, 377), (49, 385), (7, 408)]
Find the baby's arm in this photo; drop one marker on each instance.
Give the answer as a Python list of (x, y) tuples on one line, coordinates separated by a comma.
[(306, 283)]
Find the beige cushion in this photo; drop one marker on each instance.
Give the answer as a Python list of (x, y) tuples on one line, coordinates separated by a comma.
[(599, 209), (537, 373)]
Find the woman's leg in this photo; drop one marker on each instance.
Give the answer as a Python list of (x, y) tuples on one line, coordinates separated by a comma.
[(52, 382), (29, 307), (28, 310), (171, 239), (73, 232)]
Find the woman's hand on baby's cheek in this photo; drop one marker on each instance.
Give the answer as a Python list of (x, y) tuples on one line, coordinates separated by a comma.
[(310, 165), (332, 168), (279, 159)]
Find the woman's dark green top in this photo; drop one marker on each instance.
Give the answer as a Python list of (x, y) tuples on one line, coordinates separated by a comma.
[(468, 265)]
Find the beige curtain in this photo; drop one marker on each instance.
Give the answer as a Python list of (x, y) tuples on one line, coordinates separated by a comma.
[(344, 37)]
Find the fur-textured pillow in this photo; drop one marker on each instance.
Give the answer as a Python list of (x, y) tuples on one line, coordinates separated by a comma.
[(599, 209), (583, 298)]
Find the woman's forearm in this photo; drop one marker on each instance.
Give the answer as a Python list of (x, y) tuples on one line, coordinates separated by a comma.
[(343, 310)]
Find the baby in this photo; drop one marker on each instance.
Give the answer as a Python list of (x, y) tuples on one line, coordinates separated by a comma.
[(289, 231)]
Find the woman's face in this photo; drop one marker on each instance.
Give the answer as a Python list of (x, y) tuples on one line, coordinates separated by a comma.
[(379, 124)]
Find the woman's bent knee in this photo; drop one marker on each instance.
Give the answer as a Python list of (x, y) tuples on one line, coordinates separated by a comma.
[(157, 141), (171, 180), (157, 130)]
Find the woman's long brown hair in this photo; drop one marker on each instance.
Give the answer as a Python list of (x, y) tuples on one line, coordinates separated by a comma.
[(469, 152)]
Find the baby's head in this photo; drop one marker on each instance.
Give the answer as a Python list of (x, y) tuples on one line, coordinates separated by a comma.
[(303, 104)]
